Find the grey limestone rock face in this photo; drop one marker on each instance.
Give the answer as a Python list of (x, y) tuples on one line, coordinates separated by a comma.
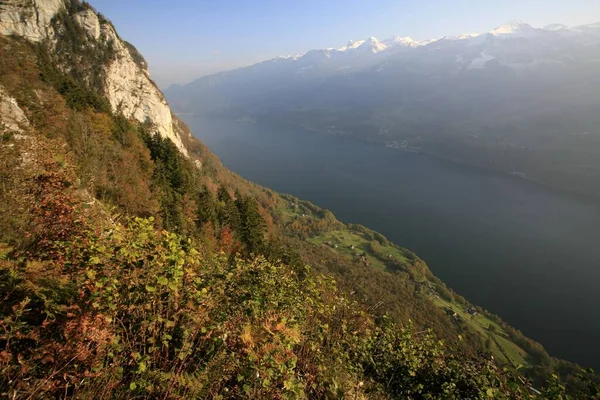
[(127, 84)]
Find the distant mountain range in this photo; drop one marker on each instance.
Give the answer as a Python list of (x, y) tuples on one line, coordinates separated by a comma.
[(517, 98)]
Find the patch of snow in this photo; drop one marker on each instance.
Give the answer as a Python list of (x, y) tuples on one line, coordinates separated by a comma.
[(372, 45), (352, 45), (464, 36), (470, 38), (515, 29), (480, 62), (555, 27), (398, 41), (289, 57)]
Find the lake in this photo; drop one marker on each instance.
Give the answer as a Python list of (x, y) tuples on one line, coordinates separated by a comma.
[(523, 251)]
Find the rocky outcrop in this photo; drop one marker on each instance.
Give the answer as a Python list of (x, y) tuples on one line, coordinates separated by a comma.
[(28, 18), (12, 118), (129, 87), (89, 21), (127, 84)]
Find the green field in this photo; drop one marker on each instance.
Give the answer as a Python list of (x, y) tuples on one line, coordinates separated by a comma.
[(502, 348), (358, 244), (351, 244)]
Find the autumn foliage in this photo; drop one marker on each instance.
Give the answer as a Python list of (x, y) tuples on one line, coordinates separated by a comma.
[(130, 271)]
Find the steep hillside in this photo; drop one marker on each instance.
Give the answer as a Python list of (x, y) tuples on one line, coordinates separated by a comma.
[(133, 264), (82, 44)]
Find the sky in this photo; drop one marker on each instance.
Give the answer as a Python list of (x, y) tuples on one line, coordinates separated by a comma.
[(185, 39)]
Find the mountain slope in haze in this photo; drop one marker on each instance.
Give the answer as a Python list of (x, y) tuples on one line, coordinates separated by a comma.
[(518, 99), (134, 267)]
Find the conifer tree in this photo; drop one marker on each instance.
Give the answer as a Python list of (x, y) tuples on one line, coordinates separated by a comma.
[(252, 223), (207, 207), (228, 213)]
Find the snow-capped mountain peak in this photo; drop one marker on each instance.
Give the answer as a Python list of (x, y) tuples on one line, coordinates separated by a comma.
[(352, 44), (513, 50), (400, 41), (373, 45), (514, 29), (289, 57), (510, 27), (474, 48), (463, 36), (555, 27)]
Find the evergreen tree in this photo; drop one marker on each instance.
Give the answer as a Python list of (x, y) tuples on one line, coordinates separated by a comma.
[(252, 224), (228, 213), (207, 207)]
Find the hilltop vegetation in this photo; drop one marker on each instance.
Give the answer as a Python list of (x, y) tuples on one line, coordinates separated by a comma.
[(128, 270)]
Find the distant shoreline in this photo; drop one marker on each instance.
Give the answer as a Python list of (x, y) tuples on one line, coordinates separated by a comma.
[(516, 174)]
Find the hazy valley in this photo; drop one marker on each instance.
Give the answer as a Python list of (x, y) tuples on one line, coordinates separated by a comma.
[(517, 99)]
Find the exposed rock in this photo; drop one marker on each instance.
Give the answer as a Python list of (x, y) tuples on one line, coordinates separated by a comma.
[(28, 18), (90, 22), (12, 118), (127, 85), (130, 90)]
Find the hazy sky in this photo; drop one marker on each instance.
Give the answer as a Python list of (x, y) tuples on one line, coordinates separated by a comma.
[(185, 39)]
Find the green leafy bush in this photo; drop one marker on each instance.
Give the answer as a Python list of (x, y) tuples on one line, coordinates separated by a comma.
[(140, 313)]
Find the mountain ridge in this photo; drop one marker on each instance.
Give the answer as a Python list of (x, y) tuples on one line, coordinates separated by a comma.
[(506, 29), (461, 98)]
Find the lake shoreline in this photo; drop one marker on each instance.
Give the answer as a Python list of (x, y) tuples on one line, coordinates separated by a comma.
[(440, 156), (503, 243)]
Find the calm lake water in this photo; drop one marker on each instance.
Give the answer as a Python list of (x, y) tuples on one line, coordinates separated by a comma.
[(525, 252)]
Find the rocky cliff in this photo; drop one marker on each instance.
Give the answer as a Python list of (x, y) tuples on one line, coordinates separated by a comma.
[(30, 19), (125, 80), (12, 117)]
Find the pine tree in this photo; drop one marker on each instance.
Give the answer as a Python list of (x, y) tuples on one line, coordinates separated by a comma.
[(252, 223), (228, 213), (207, 207)]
